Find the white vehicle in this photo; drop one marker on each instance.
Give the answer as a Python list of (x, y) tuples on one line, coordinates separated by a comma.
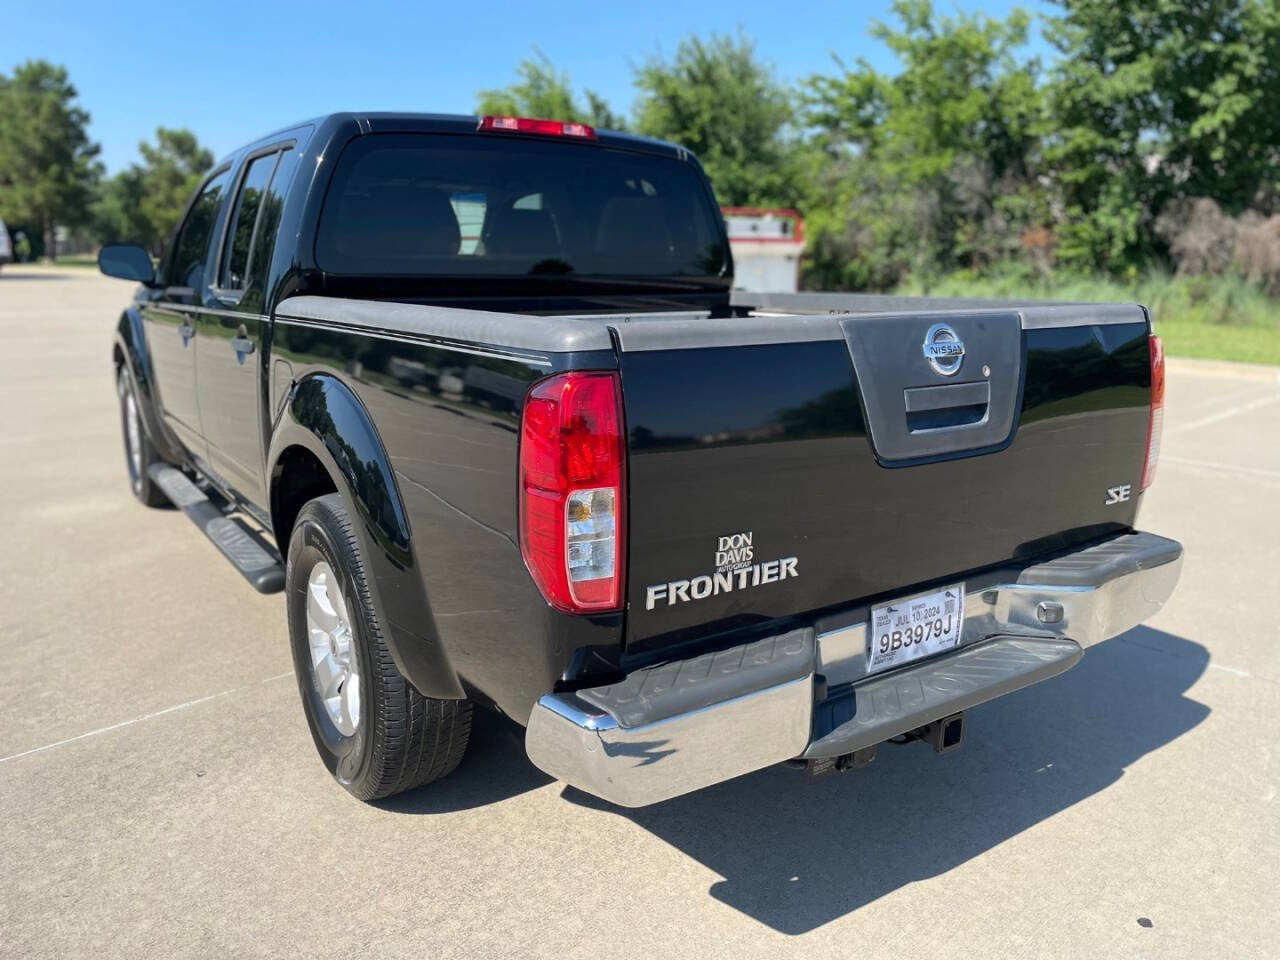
[(6, 245)]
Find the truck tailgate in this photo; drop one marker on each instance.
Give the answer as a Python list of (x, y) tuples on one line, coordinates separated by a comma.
[(788, 464)]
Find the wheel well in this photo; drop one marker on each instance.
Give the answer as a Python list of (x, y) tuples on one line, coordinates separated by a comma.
[(117, 356), (298, 476)]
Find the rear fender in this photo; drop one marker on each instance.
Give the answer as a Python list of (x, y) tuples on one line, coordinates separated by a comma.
[(324, 416)]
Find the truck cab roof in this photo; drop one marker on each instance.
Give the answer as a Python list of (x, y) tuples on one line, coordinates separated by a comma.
[(389, 121)]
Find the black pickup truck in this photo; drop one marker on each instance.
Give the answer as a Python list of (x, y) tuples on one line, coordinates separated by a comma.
[(479, 396)]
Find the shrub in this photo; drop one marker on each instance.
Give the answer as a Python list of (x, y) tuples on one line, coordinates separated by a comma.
[(1257, 254), (1201, 238)]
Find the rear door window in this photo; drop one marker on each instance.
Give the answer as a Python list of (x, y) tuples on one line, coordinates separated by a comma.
[(244, 220), (269, 216), (439, 204)]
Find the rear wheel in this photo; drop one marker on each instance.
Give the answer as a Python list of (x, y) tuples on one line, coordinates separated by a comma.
[(138, 452), (375, 733)]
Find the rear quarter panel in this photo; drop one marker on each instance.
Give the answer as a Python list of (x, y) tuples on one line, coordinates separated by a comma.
[(448, 419)]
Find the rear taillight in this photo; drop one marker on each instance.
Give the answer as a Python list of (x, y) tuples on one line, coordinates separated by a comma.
[(572, 491), (1155, 424), (546, 128)]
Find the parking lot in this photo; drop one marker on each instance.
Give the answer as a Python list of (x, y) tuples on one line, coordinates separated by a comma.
[(162, 797)]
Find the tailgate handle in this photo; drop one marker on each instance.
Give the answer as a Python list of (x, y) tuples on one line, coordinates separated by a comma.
[(946, 407)]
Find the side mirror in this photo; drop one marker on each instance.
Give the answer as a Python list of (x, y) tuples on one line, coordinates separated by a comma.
[(127, 261)]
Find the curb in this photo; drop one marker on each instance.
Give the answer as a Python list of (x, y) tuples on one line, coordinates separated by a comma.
[(1197, 367)]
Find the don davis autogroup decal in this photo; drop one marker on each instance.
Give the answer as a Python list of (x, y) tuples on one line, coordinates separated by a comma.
[(735, 569)]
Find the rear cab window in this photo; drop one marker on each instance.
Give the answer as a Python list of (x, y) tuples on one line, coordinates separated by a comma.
[(450, 205)]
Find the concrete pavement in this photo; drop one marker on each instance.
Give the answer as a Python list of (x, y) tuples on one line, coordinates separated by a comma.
[(161, 795)]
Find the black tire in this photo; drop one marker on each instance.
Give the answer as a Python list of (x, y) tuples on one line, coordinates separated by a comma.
[(402, 739), (139, 480)]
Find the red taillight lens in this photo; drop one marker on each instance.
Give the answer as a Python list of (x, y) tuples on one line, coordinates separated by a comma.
[(572, 489), (1155, 425), (547, 128)]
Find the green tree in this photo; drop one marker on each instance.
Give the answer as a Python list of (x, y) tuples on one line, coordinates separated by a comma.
[(542, 92), (143, 203), (47, 161), (1155, 100), (171, 170), (716, 98), (117, 210), (932, 168)]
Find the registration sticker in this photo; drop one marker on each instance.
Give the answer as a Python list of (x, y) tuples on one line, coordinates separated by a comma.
[(915, 628)]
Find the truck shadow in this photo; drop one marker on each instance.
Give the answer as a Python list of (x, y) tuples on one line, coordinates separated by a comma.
[(795, 856)]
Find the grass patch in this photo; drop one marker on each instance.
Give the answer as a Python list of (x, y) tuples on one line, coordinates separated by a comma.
[(1220, 318), (76, 261)]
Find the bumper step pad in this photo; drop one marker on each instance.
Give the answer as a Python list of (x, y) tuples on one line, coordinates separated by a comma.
[(1104, 562), (884, 707), (666, 690), (255, 561)]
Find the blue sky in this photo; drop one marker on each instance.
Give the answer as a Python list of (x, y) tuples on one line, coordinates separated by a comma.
[(232, 71)]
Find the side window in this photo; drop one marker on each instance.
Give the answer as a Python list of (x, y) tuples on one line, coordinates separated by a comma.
[(240, 230), (192, 247), (268, 227)]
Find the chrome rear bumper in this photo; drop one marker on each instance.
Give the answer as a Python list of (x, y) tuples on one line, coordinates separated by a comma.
[(680, 726)]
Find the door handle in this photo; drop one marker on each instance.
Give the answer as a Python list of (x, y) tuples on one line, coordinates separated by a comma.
[(947, 407), (243, 346), (186, 331), (925, 399)]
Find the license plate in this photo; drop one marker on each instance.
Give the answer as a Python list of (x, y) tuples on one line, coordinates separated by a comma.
[(918, 627)]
